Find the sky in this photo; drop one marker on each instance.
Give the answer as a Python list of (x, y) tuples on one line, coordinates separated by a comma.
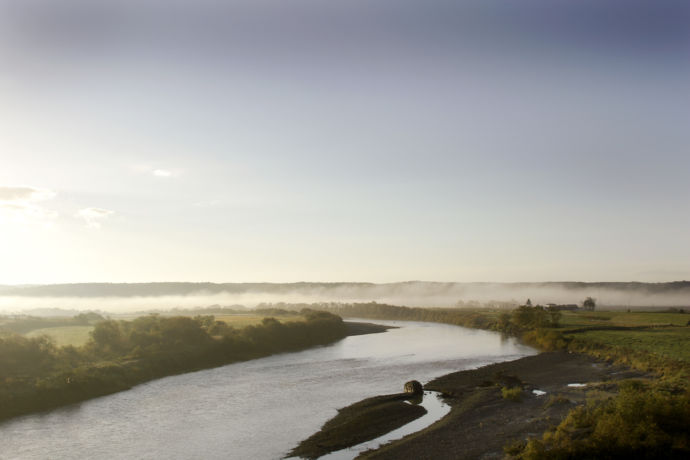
[(312, 140)]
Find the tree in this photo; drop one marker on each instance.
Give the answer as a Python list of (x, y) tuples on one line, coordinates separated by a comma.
[(107, 336), (529, 302), (555, 316), (589, 304)]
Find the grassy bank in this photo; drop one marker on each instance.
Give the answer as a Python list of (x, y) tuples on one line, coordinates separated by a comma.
[(36, 374), (651, 341), (640, 418)]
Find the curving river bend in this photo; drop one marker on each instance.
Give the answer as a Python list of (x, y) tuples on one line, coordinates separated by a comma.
[(257, 409)]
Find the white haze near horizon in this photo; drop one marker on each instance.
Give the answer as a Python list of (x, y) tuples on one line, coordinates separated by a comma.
[(408, 296)]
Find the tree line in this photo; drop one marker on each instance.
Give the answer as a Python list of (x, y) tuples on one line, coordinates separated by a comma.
[(35, 374)]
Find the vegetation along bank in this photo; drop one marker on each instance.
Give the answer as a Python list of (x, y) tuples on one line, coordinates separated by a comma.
[(36, 374), (606, 385)]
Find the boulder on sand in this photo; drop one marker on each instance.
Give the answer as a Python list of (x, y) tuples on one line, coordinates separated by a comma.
[(413, 387)]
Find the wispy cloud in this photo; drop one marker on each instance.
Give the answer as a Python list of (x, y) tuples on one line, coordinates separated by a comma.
[(24, 194), (155, 171), (21, 203), (94, 216), (162, 173), (207, 204)]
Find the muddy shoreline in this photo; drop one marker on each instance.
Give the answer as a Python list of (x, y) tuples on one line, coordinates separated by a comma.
[(362, 328), (482, 421), (360, 422)]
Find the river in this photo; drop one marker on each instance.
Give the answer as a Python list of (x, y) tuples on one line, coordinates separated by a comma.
[(257, 409)]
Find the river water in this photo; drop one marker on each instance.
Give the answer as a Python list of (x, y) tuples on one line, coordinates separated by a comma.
[(257, 409)]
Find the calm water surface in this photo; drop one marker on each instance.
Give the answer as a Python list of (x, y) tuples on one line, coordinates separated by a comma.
[(253, 410)]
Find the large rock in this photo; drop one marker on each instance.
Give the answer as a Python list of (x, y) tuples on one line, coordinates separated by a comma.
[(414, 387)]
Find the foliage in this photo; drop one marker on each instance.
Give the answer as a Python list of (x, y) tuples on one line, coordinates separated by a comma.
[(527, 317), (589, 304), (516, 447), (555, 400), (36, 375), (478, 319), (514, 393), (545, 339), (644, 421)]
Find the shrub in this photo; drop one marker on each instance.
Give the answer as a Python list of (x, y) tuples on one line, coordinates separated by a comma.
[(643, 421), (515, 447), (514, 393)]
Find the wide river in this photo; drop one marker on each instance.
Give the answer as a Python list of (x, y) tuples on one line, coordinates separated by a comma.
[(257, 409)]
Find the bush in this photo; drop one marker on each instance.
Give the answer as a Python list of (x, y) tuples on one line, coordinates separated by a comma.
[(515, 448), (643, 421), (513, 394)]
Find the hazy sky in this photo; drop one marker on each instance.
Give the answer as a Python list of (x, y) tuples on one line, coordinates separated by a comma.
[(378, 140)]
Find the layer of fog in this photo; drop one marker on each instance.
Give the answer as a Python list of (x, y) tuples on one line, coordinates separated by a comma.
[(406, 294)]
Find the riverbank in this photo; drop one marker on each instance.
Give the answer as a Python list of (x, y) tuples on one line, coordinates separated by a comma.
[(360, 328), (482, 421), (360, 422), (653, 342), (36, 376)]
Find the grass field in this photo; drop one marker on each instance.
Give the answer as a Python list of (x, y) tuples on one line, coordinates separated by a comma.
[(655, 338), (670, 343), (64, 335), (79, 335), (622, 318)]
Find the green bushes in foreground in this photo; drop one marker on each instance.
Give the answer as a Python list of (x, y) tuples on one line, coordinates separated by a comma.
[(36, 375), (643, 422)]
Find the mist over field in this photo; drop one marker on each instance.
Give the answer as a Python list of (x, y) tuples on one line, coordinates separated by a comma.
[(121, 298)]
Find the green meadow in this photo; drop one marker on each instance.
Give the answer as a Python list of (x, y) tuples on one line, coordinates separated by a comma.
[(64, 335)]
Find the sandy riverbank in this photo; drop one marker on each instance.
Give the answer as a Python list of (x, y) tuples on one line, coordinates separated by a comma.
[(481, 420)]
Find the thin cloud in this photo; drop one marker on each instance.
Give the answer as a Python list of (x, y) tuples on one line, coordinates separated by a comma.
[(20, 203), (154, 171), (94, 216), (162, 173), (208, 204), (24, 194)]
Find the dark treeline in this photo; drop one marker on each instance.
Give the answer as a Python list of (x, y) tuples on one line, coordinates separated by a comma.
[(518, 321), (37, 375), (374, 310), (535, 325)]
